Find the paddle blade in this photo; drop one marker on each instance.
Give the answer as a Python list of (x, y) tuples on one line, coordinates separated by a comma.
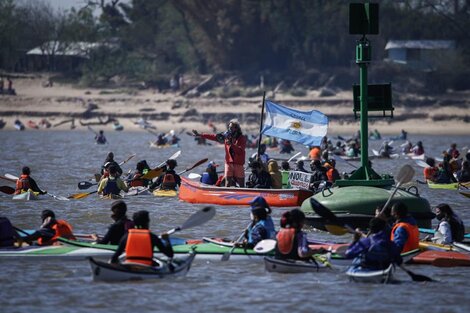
[(405, 174), (336, 230), (10, 176), (194, 176), (265, 246), (323, 211), (8, 179), (416, 277), (58, 197), (85, 185), (80, 195), (195, 165), (198, 218), (153, 173), (7, 189)]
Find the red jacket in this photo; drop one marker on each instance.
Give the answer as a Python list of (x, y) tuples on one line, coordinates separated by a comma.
[(237, 146)]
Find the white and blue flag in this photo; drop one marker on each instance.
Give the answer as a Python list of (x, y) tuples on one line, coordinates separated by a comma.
[(307, 128)]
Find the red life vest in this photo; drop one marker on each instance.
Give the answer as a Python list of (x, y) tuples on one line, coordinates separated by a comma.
[(413, 236), (169, 182), (139, 247), (285, 240), (62, 229), (22, 184), (430, 173)]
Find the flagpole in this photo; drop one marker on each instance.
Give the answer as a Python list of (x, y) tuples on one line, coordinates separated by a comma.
[(258, 157)]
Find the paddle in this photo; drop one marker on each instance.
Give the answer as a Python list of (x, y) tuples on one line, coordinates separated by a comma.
[(294, 156), (198, 218), (92, 130), (325, 212), (421, 163), (82, 195), (194, 176), (49, 194), (127, 160), (11, 177), (158, 170), (8, 179), (195, 165), (85, 185), (226, 255), (405, 175), (7, 189), (265, 246)]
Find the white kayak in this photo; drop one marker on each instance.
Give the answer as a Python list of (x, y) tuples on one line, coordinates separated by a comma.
[(341, 260), (57, 252), (359, 274), (295, 266), (103, 271), (27, 195)]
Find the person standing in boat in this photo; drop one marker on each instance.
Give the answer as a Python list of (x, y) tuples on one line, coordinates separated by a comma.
[(405, 232), (291, 240), (120, 226), (112, 185), (450, 227), (376, 251), (139, 242), (169, 180), (26, 182), (235, 145), (100, 138), (259, 177), (210, 177), (50, 230)]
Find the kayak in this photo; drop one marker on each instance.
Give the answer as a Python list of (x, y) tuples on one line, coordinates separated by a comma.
[(195, 192), (465, 193), (165, 193), (111, 197), (359, 274), (19, 125), (27, 195), (60, 252), (167, 145), (103, 271), (453, 186), (340, 260), (442, 258), (391, 156), (137, 191), (431, 232), (32, 124), (416, 157), (118, 127), (295, 266)]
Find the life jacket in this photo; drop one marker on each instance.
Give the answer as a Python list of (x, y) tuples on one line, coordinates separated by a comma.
[(22, 184), (287, 243), (137, 181), (413, 236), (139, 247), (111, 187), (7, 233), (169, 182), (61, 229), (207, 179), (430, 173)]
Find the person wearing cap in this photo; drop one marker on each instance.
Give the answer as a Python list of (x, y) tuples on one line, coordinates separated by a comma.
[(376, 251), (50, 230), (112, 185), (120, 226), (259, 177), (210, 177), (25, 182), (262, 226), (291, 240), (450, 227), (169, 180), (100, 139), (405, 232), (139, 242), (235, 145)]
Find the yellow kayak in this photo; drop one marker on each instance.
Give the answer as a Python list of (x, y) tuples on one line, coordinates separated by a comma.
[(428, 245), (165, 193)]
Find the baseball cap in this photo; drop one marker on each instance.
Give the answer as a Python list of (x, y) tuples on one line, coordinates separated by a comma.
[(212, 163)]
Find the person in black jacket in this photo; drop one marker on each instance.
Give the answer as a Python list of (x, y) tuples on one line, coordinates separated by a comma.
[(120, 226), (259, 177), (318, 174)]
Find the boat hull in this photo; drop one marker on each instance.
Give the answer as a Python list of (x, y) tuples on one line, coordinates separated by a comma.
[(194, 192), (165, 193), (292, 266), (360, 275), (58, 252), (28, 195)]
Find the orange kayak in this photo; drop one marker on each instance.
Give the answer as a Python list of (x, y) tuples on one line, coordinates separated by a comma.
[(442, 258)]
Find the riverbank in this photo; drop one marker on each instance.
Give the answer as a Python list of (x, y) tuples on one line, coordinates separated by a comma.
[(61, 104)]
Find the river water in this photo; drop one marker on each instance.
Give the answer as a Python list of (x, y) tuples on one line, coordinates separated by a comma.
[(59, 160)]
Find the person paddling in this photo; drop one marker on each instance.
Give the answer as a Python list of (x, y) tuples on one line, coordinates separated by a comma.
[(431, 172), (100, 139), (450, 227), (120, 226), (169, 180), (262, 226), (26, 182), (112, 185), (50, 230), (405, 232), (109, 161), (139, 242), (8, 234), (142, 168), (210, 177)]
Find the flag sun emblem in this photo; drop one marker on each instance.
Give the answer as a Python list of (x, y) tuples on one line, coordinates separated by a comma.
[(296, 124)]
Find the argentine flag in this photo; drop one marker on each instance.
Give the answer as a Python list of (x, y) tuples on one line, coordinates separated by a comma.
[(307, 128)]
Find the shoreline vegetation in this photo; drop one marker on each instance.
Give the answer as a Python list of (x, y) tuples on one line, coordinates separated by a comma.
[(444, 113)]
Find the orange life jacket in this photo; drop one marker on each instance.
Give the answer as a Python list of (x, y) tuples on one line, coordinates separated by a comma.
[(139, 247), (62, 229), (137, 181), (430, 173), (315, 153), (168, 182), (22, 184), (285, 240), (413, 236)]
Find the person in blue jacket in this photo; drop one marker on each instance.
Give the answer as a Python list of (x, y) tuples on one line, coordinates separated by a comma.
[(210, 177), (376, 251), (262, 226)]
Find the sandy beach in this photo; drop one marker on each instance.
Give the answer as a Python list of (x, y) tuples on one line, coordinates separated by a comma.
[(447, 113)]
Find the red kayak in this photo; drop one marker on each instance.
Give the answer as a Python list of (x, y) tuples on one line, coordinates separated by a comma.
[(442, 258), (32, 124)]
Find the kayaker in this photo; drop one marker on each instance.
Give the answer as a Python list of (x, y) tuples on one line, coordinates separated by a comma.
[(450, 227), (259, 177), (262, 226), (431, 172), (403, 135), (161, 140), (120, 226), (169, 180), (210, 177), (452, 149), (263, 156), (418, 149), (235, 145), (386, 150), (455, 162), (405, 232), (109, 161), (299, 166), (276, 176), (291, 240), (445, 175), (26, 182), (50, 230), (406, 147), (142, 168), (376, 251), (463, 175), (8, 234), (139, 242), (172, 138), (286, 146), (100, 138), (112, 185)]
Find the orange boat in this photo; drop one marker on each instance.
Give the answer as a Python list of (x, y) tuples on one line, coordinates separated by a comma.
[(195, 192)]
